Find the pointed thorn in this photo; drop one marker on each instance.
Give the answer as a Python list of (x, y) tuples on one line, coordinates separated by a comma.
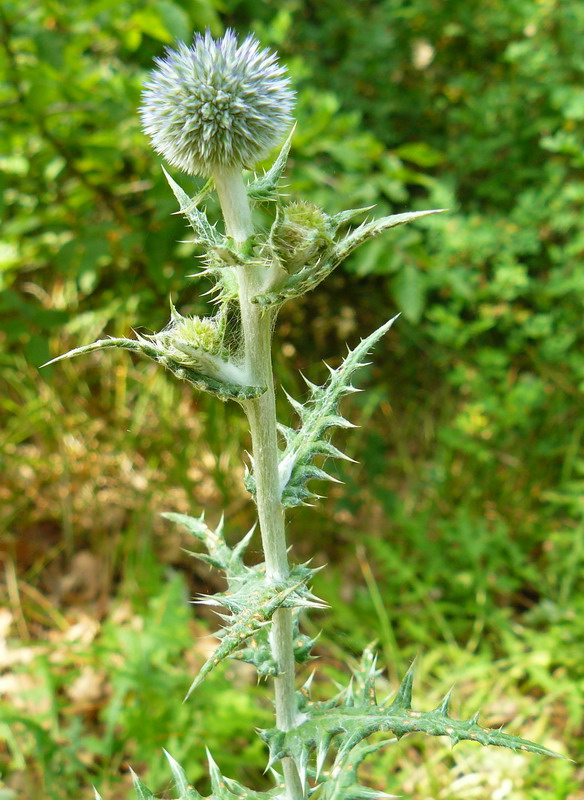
[(308, 682), (301, 767), (445, 702), (321, 757), (178, 773), (403, 698), (214, 772), (312, 386), (54, 361), (193, 686)]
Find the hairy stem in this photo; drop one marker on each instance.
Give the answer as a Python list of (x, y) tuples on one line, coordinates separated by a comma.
[(261, 413)]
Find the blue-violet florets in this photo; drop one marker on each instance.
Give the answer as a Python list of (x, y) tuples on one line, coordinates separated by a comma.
[(216, 105)]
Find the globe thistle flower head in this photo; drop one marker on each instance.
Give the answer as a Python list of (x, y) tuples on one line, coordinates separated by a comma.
[(216, 104)]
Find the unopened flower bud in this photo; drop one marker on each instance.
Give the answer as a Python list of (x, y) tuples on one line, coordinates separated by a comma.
[(302, 235)]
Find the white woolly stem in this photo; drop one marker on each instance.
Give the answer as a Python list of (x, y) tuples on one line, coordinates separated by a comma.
[(261, 413), (234, 203)]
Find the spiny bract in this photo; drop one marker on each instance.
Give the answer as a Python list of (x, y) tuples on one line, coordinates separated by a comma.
[(216, 105), (301, 233)]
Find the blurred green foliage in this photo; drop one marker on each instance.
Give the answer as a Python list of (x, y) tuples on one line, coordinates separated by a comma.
[(473, 474)]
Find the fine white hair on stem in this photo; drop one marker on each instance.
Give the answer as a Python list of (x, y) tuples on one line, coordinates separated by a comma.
[(216, 104)]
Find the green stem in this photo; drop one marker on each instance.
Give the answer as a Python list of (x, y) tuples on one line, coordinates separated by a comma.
[(261, 413)]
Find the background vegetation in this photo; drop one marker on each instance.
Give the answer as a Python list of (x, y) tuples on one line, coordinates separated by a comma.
[(461, 532)]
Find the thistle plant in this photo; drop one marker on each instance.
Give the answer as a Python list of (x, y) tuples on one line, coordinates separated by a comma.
[(214, 110)]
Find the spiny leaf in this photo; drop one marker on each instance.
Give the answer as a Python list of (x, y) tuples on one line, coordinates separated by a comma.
[(259, 654), (263, 189), (220, 555), (308, 278), (318, 414), (370, 230), (403, 698), (251, 599), (344, 216), (252, 606), (205, 383), (182, 785), (445, 702), (205, 233), (228, 789), (348, 720), (365, 674), (142, 791), (219, 252), (342, 783), (259, 651), (222, 788)]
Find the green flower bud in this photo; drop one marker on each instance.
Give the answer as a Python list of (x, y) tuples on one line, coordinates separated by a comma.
[(199, 343), (197, 333), (301, 234)]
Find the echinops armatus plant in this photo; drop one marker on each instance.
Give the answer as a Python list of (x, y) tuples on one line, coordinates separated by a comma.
[(215, 109)]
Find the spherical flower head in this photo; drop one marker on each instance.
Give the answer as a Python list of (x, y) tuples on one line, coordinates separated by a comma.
[(216, 105)]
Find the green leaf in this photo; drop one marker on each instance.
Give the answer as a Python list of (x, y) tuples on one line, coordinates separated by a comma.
[(142, 791), (353, 715), (222, 788), (410, 292), (259, 654), (308, 278), (342, 783), (152, 350), (203, 15), (420, 153), (318, 415), (370, 230), (181, 782), (264, 189), (259, 651), (150, 22), (251, 598), (220, 555), (175, 20), (205, 233), (252, 605)]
